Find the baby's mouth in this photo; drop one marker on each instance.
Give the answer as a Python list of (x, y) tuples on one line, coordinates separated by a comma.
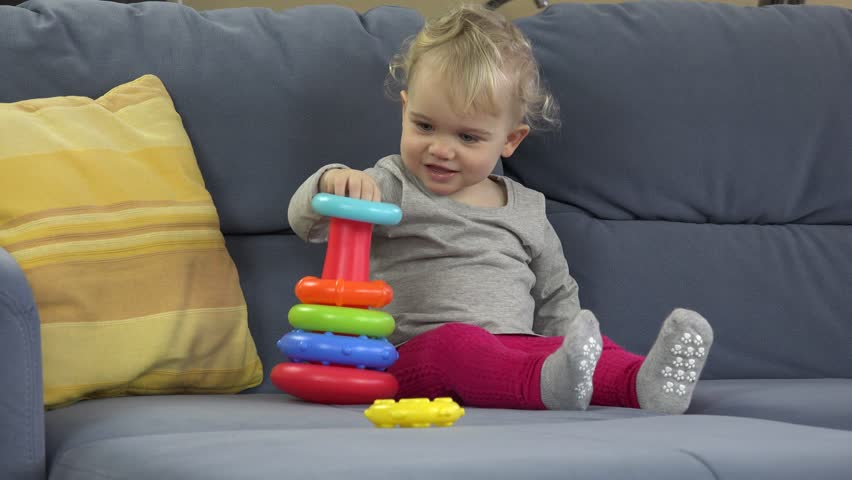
[(440, 173)]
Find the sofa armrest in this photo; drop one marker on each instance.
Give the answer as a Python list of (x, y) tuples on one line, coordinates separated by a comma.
[(22, 454)]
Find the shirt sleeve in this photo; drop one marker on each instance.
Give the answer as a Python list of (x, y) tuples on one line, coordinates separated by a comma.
[(307, 224), (555, 292), (389, 184)]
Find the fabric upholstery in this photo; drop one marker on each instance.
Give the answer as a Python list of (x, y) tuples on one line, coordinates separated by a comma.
[(270, 266), (22, 422), (704, 163), (250, 432), (276, 121), (717, 190), (821, 402), (108, 217)]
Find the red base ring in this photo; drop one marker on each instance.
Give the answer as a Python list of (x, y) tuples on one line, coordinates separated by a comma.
[(333, 385)]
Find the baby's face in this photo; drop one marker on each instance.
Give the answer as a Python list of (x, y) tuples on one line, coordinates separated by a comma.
[(453, 153)]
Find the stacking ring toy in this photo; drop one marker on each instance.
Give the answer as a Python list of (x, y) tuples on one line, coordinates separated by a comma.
[(340, 365), (356, 209), (353, 321), (333, 385), (327, 348), (337, 291)]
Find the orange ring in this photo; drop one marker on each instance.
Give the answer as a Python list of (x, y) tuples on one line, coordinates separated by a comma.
[(375, 294)]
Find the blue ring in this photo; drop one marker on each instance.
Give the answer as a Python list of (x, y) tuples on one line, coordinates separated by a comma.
[(360, 352), (379, 213)]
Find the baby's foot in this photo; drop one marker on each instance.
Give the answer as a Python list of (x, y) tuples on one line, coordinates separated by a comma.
[(566, 376), (667, 377)]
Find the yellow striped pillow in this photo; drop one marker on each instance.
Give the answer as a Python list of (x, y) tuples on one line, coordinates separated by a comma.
[(105, 209)]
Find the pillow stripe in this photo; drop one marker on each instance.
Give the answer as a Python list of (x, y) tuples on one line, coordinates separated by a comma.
[(117, 231), (58, 221), (143, 175), (74, 291), (117, 247), (138, 343)]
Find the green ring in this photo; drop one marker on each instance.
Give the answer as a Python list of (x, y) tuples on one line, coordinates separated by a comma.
[(354, 321)]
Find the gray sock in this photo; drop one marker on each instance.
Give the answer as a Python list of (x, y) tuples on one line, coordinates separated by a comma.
[(667, 377), (566, 376)]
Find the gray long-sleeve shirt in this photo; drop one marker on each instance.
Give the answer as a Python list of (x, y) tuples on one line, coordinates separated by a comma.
[(499, 268)]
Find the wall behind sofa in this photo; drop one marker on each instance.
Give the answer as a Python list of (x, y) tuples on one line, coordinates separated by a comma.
[(513, 9)]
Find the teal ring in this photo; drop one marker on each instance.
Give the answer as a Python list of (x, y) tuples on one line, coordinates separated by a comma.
[(378, 213)]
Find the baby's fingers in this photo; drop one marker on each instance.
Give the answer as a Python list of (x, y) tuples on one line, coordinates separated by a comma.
[(363, 187), (340, 182), (354, 187), (350, 183), (369, 190)]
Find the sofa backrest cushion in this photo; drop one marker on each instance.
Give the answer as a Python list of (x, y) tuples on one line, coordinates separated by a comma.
[(267, 97), (702, 162), (705, 161)]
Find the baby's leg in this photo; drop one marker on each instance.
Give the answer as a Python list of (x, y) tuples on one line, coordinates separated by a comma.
[(474, 366), (566, 376), (667, 377), (615, 376)]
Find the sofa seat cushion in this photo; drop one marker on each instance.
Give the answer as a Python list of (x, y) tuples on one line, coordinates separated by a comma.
[(101, 420), (243, 436), (821, 402)]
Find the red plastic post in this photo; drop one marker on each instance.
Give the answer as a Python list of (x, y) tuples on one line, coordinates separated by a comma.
[(347, 255)]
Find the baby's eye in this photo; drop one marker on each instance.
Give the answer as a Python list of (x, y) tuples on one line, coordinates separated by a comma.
[(423, 126), (468, 138)]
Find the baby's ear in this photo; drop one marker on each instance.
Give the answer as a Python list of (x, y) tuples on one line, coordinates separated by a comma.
[(514, 139)]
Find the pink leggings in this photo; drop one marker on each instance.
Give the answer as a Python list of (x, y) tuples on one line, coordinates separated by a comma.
[(481, 369)]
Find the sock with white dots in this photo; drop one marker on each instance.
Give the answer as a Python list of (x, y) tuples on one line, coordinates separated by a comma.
[(566, 376), (668, 375)]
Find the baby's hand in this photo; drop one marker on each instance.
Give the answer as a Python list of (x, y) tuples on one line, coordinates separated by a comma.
[(350, 183)]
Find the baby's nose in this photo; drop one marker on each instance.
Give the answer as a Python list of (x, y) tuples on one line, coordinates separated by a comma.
[(441, 150)]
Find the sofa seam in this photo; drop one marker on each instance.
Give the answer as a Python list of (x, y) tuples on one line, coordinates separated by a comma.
[(86, 471), (589, 215), (700, 460)]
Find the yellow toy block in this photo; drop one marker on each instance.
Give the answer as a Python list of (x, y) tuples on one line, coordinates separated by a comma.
[(414, 412)]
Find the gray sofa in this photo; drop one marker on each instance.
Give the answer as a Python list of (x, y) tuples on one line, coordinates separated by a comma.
[(705, 161)]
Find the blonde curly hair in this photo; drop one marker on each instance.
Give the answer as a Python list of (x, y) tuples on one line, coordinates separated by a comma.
[(477, 51)]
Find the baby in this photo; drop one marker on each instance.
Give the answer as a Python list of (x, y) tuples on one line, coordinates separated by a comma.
[(486, 310)]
